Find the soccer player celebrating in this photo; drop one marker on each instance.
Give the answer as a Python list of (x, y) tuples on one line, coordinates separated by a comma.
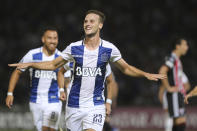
[(174, 84), (44, 99), (91, 56)]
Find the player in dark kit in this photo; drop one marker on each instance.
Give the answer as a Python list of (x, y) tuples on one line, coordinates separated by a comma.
[(174, 84)]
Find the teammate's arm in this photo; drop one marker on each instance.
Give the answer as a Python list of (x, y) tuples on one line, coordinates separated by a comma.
[(191, 94), (115, 94), (161, 92), (110, 84), (164, 70), (48, 65), (133, 71), (60, 80), (12, 84)]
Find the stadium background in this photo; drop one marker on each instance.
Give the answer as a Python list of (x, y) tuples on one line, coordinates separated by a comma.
[(141, 29)]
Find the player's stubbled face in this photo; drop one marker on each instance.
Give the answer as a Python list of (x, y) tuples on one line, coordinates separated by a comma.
[(91, 24), (50, 40)]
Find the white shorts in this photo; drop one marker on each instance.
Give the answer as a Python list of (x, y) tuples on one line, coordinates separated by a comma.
[(78, 119), (165, 101), (46, 114)]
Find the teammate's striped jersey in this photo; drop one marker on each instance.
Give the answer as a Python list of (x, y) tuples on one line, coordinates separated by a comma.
[(175, 74), (44, 87), (87, 87)]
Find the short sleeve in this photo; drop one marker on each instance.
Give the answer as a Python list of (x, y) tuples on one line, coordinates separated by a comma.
[(115, 55), (26, 59), (108, 70), (184, 78), (66, 54), (169, 61)]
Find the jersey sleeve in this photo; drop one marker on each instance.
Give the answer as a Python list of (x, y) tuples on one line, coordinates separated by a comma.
[(66, 54), (169, 62), (26, 59), (184, 78), (115, 55), (108, 70)]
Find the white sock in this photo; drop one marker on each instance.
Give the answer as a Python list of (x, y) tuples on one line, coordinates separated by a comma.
[(168, 123)]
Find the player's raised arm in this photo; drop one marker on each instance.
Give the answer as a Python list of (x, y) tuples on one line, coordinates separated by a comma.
[(48, 65), (133, 71)]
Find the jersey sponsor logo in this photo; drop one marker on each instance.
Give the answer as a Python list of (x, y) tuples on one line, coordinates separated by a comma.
[(45, 74), (88, 71)]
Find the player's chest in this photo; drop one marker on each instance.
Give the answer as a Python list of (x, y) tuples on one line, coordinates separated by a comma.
[(92, 58)]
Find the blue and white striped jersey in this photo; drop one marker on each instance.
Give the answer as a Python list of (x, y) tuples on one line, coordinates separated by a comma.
[(44, 87), (87, 87)]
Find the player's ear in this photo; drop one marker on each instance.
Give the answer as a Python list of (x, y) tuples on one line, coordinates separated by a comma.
[(42, 39), (100, 25)]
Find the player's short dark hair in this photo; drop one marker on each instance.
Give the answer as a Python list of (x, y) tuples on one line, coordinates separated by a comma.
[(50, 28), (99, 13), (177, 41)]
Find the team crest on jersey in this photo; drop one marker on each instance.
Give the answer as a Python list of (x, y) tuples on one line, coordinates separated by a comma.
[(104, 57)]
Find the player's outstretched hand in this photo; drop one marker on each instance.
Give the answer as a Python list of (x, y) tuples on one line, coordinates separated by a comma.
[(155, 77), (9, 101), (186, 98), (62, 96), (20, 65)]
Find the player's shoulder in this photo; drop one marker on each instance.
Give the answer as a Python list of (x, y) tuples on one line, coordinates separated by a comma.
[(170, 58), (77, 43), (35, 50), (107, 44)]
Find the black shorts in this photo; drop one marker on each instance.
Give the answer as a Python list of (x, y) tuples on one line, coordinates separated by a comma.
[(176, 106)]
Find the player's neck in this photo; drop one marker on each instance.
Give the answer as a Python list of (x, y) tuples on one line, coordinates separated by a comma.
[(47, 52), (92, 43), (177, 53)]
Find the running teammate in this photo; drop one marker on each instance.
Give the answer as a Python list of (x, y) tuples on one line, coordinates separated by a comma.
[(91, 56), (174, 84), (44, 99)]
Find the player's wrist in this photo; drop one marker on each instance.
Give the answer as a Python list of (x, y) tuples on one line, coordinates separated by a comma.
[(10, 93), (190, 95), (109, 101), (61, 89)]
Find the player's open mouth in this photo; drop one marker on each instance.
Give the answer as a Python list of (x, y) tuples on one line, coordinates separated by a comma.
[(88, 28), (53, 45)]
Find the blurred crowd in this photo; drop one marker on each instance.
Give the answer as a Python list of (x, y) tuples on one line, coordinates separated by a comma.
[(141, 29)]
